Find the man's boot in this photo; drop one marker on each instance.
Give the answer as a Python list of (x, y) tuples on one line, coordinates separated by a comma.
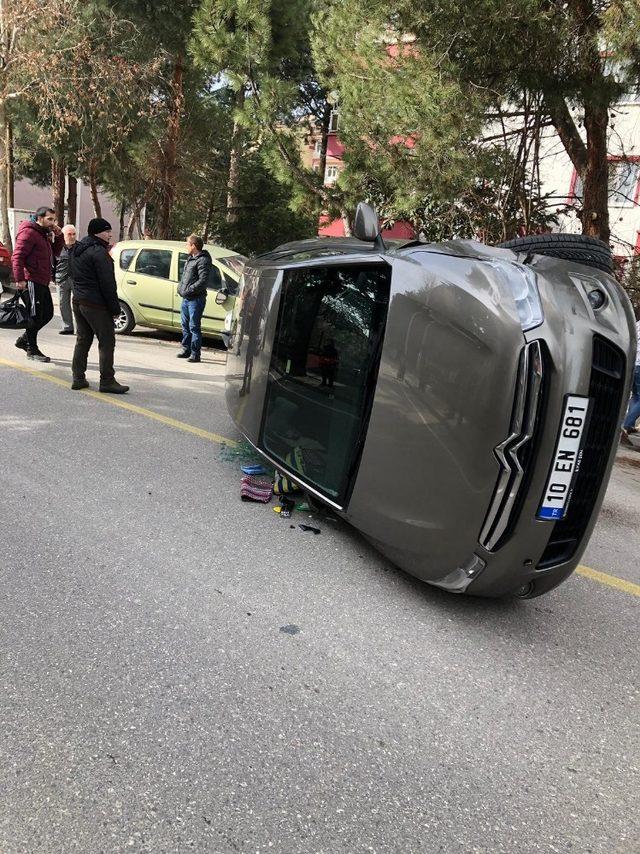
[(184, 353), (37, 356), (21, 343), (113, 387), (78, 385), (194, 357)]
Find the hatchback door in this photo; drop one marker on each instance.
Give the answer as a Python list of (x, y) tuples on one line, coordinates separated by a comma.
[(149, 284)]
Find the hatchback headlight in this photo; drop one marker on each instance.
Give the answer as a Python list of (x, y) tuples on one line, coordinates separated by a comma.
[(522, 283)]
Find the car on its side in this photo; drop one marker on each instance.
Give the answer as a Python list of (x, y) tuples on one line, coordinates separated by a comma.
[(459, 404), (148, 273)]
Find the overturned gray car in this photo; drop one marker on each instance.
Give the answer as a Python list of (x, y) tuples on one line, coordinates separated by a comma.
[(458, 404)]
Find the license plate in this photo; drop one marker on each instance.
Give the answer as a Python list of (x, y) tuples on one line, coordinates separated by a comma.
[(568, 457)]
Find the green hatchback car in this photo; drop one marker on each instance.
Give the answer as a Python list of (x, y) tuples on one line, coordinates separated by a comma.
[(148, 273)]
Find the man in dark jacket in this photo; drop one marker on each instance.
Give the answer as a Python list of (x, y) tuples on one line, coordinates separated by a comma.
[(95, 304), (64, 281), (38, 241), (193, 290)]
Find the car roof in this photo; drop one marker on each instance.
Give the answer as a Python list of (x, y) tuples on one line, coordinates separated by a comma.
[(212, 249)]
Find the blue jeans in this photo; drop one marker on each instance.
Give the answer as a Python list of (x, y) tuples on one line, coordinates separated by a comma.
[(634, 407), (191, 317)]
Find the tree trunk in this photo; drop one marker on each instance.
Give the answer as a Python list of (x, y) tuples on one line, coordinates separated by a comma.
[(171, 151), (11, 202), (58, 172), (5, 233), (123, 211), (346, 223), (72, 199), (207, 222), (233, 184), (595, 181), (131, 225), (93, 186)]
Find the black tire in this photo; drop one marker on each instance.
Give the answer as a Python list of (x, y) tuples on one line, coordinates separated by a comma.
[(125, 321), (569, 247)]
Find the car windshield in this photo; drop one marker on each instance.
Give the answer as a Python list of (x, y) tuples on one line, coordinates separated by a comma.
[(235, 263)]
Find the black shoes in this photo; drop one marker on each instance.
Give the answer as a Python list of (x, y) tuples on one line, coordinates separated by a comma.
[(113, 388), (78, 385), (184, 354), (37, 356), (194, 357), (66, 332)]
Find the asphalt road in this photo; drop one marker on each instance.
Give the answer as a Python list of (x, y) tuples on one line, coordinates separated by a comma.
[(181, 671)]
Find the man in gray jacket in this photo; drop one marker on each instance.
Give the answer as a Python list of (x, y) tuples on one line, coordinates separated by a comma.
[(64, 282), (193, 290)]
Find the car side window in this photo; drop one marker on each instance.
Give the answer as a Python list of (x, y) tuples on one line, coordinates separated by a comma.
[(154, 262), (126, 257), (214, 283), (230, 284)]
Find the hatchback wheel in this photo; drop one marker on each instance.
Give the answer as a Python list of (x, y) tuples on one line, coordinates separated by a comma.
[(125, 321)]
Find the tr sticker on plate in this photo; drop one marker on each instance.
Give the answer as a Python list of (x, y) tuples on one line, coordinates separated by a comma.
[(567, 459)]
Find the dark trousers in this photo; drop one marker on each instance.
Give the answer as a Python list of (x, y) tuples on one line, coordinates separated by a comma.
[(191, 317), (43, 313), (93, 320)]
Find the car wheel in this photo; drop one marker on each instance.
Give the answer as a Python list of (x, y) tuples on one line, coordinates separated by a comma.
[(125, 321), (570, 247)]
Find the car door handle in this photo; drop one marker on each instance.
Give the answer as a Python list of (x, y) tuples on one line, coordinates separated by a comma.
[(131, 282)]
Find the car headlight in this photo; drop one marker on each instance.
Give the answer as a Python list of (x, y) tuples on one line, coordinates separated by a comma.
[(522, 283)]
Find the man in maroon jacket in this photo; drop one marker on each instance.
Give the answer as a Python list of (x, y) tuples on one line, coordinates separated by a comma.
[(37, 242)]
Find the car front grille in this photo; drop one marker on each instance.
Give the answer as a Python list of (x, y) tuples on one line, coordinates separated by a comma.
[(605, 390), (518, 451)]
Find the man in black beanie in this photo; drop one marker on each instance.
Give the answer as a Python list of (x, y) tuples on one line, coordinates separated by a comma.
[(95, 304)]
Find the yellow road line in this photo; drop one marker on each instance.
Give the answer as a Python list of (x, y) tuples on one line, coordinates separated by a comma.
[(585, 571), (123, 404), (609, 580)]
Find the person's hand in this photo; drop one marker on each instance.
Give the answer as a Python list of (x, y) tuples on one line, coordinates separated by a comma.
[(21, 286), (57, 230)]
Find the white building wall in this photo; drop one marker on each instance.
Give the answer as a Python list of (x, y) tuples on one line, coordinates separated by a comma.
[(557, 175)]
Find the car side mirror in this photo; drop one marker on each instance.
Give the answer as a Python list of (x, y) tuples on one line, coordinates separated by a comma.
[(366, 225)]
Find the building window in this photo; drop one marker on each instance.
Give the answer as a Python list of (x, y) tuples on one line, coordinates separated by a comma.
[(331, 174), (631, 97), (623, 184), (318, 147), (334, 121)]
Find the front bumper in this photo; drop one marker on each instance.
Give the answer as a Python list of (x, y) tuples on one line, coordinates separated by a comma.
[(585, 353)]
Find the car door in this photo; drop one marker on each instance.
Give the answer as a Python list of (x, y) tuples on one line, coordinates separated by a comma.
[(148, 283), (214, 314)]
